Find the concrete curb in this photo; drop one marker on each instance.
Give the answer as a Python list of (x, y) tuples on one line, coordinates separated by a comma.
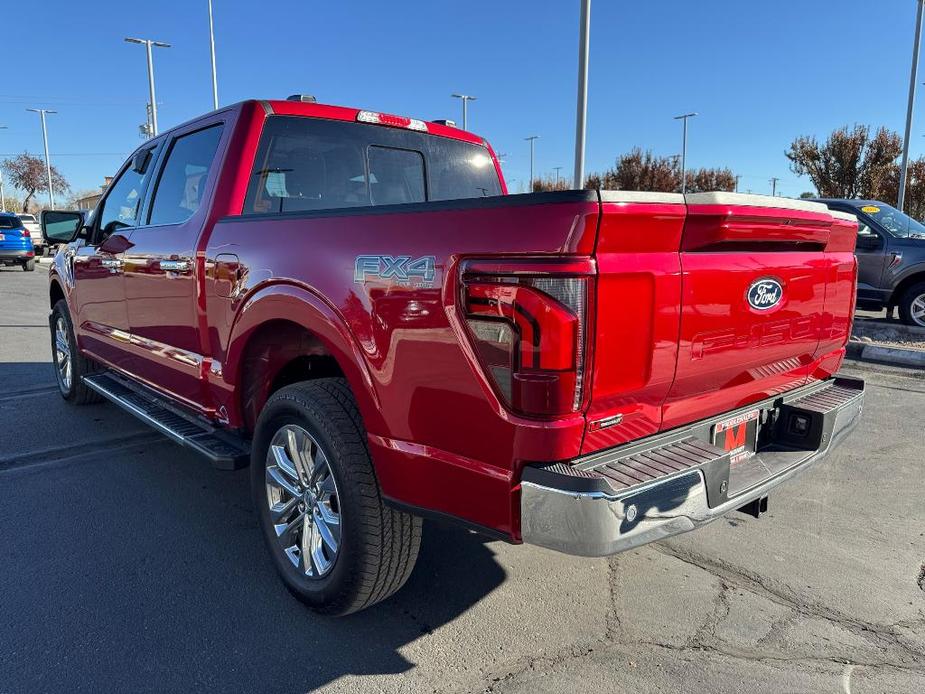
[(892, 355), (882, 354)]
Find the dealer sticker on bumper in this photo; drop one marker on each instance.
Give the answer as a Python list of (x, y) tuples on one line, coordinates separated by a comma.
[(737, 435)]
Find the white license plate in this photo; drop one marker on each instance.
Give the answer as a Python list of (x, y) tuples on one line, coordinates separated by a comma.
[(738, 435)]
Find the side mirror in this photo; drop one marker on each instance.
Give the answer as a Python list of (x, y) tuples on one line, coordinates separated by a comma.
[(59, 226)]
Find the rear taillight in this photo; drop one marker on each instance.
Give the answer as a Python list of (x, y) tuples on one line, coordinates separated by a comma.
[(26, 234), (530, 333)]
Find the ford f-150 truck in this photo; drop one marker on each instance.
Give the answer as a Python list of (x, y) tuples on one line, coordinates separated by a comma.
[(350, 303)]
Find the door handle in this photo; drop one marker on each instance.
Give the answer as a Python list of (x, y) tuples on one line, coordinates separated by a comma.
[(114, 265), (181, 266)]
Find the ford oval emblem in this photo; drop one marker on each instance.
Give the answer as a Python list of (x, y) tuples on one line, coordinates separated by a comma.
[(765, 293)]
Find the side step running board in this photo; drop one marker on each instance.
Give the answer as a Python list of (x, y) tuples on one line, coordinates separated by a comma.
[(225, 450)]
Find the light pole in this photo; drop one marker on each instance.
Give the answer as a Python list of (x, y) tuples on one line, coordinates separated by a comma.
[(148, 43), (532, 139), (465, 102), (737, 183), (2, 197), (212, 49), (557, 169), (915, 66), (51, 193), (685, 118), (774, 181), (584, 31)]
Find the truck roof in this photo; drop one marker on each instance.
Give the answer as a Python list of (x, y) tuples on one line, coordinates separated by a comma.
[(285, 107)]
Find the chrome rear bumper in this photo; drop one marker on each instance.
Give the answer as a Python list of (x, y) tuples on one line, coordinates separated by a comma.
[(678, 481)]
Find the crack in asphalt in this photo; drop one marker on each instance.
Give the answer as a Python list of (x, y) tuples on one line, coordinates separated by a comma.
[(881, 637), (892, 653)]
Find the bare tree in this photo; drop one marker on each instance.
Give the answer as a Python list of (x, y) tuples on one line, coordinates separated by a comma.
[(27, 173)]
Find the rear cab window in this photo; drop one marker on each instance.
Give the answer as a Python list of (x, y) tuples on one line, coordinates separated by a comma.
[(305, 164)]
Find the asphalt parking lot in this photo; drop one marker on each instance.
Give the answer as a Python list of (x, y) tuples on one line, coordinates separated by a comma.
[(127, 564)]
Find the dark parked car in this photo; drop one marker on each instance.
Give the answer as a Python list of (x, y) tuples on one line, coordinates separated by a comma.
[(891, 258)]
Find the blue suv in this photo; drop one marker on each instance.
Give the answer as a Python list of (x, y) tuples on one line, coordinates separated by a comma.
[(15, 243)]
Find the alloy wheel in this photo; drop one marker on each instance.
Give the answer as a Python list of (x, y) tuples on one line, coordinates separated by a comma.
[(303, 501), (63, 353), (917, 310)]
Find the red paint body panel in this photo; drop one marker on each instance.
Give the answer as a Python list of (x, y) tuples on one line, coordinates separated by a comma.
[(638, 311), (670, 337)]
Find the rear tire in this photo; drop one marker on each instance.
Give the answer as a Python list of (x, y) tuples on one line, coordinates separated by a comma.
[(70, 365), (316, 434), (912, 305), (29, 265)]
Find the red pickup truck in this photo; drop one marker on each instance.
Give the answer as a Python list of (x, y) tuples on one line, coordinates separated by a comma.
[(350, 303)]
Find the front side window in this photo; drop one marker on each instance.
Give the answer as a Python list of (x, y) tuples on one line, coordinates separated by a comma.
[(182, 182), (123, 200)]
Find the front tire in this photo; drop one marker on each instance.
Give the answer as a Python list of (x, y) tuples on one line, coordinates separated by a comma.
[(70, 365), (336, 545), (912, 305), (28, 265)]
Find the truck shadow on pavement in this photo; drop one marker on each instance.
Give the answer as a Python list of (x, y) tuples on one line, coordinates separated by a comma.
[(142, 569)]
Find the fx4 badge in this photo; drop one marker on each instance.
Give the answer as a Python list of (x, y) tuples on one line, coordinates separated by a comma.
[(402, 269)]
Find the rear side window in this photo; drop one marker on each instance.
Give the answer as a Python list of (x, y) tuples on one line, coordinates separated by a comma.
[(314, 164), (182, 182)]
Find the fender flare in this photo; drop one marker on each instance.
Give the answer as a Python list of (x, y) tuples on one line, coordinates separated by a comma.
[(911, 271), (304, 307)]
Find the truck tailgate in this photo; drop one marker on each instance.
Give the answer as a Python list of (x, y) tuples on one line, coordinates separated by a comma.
[(710, 304)]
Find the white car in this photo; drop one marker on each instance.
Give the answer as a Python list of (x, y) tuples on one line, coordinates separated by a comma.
[(35, 231)]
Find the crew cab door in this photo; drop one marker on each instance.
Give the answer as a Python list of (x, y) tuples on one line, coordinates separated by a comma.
[(162, 271), (99, 292), (872, 252)]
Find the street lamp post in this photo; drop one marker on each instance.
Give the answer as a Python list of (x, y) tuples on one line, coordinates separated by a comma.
[(903, 169), (148, 43), (582, 109), (2, 196), (685, 118), (212, 49), (51, 192), (557, 169), (465, 105), (532, 139), (773, 182)]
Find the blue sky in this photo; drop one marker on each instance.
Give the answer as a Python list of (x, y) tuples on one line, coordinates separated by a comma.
[(758, 73)]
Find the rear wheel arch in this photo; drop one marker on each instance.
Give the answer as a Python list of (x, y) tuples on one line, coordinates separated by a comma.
[(286, 334), (904, 284)]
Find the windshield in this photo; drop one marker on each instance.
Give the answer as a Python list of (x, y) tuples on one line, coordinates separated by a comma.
[(27, 217), (895, 222)]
